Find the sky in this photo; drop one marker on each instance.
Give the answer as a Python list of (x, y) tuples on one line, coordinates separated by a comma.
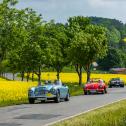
[(61, 10)]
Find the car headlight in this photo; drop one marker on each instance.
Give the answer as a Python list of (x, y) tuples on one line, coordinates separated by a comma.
[(53, 91), (30, 91)]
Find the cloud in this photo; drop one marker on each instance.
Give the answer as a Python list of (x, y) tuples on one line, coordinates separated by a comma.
[(103, 3)]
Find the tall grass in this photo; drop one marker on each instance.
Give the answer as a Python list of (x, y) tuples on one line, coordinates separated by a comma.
[(111, 115)]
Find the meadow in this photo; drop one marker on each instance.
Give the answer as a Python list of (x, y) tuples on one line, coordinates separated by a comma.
[(111, 115), (15, 92)]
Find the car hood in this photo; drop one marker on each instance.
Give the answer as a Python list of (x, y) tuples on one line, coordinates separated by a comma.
[(115, 81), (91, 85), (45, 87)]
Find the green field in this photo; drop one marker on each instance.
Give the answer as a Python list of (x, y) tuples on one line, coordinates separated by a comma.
[(111, 115)]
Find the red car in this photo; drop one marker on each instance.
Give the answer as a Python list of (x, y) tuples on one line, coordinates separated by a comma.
[(95, 86)]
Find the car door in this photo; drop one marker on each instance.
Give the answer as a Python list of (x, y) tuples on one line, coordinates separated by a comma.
[(64, 91)]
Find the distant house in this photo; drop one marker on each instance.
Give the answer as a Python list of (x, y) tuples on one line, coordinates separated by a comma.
[(118, 70)]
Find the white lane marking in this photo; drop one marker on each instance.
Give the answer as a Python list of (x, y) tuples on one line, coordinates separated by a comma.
[(83, 112)]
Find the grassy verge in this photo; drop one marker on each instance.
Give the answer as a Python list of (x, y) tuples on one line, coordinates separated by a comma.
[(111, 115), (13, 102), (75, 89)]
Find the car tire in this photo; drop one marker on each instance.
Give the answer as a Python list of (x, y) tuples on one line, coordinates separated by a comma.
[(57, 99), (31, 100), (67, 97), (85, 93), (103, 92), (110, 86), (43, 101), (122, 86)]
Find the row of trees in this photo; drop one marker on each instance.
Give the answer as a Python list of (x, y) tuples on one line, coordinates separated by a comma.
[(28, 44)]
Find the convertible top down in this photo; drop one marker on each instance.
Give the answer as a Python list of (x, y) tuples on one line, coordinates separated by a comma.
[(50, 91), (95, 86)]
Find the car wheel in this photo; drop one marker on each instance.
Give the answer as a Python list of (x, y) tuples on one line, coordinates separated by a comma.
[(122, 86), (31, 100), (43, 101), (67, 97), (85, 93), (88, 92), (103, 92), (57, 99), (110, 86)]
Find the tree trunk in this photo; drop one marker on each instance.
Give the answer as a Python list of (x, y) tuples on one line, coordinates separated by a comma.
[(22, 76), (80, 78), (79, 72), (58, 75), (88, 75), (28, 74), (58, 72), (33, 76), (39, 76), (13, 76), (88, 71)]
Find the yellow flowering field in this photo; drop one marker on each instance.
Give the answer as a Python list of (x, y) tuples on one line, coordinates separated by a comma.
[(73, 77), (2, 79), (14, 92)]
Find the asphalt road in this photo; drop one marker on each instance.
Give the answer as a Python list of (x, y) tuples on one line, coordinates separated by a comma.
[(41, 114)]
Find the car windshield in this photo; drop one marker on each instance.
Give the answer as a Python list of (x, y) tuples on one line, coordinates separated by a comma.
[(94, 80), (48, 82)]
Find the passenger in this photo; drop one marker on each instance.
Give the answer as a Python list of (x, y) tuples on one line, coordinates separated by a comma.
[(46, 82), (100, 81), (39, 83), (49, 82), (91, 81)]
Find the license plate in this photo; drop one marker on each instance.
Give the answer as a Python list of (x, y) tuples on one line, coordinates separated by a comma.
[(48, 94), (41, 98), (92, 91)]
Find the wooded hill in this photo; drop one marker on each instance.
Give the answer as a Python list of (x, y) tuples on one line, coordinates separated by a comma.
[(117, 44)]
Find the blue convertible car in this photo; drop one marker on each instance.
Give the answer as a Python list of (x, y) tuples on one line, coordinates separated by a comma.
[(50, 91)]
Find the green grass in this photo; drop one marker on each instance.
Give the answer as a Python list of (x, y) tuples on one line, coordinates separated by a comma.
[(111, 115), (14, 102), (75, 89)]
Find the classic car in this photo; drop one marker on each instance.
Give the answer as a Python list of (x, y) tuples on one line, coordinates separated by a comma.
[(116, 82), (50, 91), (95, 86)]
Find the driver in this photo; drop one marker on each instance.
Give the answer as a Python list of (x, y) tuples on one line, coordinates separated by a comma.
[(100, 81), (46, 82), (57, 82)]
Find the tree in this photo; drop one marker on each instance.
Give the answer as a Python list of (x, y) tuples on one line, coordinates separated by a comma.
[(58, 42), (87, 46), (115, 58), (28, 44), (76, 25)]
